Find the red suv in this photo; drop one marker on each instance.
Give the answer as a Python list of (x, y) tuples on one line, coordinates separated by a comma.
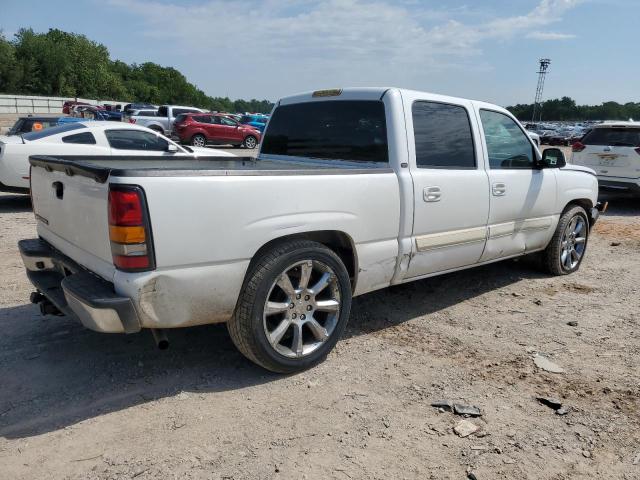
[(199, 129)]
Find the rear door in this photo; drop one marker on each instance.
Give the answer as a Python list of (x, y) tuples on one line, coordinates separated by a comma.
[(612, 152), (451, 188)]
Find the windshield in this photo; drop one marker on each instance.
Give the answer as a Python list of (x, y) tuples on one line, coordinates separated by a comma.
[(353, 130), (37, 135)]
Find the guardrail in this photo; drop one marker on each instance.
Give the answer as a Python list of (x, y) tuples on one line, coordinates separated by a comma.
[(37, 104)]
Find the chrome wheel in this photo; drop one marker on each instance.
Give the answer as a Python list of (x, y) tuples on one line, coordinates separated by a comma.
[(302, 308), (199, 141), (250, 142), (573, 243)]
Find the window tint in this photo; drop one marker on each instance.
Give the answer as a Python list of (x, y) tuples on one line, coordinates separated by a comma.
[(226, 121), (443, 136), (85, 138), (147, 113), (47, 132), (201, 118), (163, 112), (332, 129), (611, 136), (508, 146), (178, 111), (135, 140)]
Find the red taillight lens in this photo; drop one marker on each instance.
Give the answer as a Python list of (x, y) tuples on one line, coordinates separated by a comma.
[(125, 208), (578, 147), (129, 230), (132, 120), (138, 262)]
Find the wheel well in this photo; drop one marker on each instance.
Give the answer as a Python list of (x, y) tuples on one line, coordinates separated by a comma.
[(584, 203), (341, 244), (157, 129)]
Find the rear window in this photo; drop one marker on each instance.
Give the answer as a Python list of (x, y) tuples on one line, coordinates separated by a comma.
[(37, 135), (336, 129), (614, 137)]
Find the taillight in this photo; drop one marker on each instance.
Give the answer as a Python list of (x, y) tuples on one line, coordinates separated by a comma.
[(578, 147), (132, 120), (129, 229)]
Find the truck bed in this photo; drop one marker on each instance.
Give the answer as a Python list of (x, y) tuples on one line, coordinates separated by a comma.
[(101, 167)]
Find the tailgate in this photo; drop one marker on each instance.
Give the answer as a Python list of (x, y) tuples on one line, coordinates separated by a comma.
[(612, 161), (72, 215)]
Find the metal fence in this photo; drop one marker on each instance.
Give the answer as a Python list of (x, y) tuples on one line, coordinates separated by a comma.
[(34, 104)]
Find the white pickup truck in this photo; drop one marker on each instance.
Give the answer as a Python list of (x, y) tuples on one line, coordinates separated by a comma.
[(353, 190)]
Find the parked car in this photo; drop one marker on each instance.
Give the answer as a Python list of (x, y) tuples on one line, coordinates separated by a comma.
[(85, 138), (258, 122), (132, 109), (162, 121), (353, 190), (207, 128), (31, 123), (612, 149), (69, 104)]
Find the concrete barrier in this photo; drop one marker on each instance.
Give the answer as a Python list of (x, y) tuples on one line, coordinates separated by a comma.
[(37, 104)]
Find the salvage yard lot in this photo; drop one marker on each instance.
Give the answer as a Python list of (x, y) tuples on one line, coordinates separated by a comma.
[(78, 404)]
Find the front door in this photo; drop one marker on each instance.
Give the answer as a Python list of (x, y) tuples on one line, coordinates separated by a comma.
[(523, 197), (451, 189)]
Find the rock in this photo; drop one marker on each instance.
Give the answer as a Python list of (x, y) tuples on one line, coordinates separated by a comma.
[(550, 402), (547, 365), (586, 453), (464, 428), (537, 301), (572, 323), (615, 244), (563, 410), (469, 410), (183, 396), (471, 476), (636, 461), (443, 404)]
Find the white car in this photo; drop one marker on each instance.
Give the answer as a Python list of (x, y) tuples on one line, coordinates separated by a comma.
[(85, 138), (612, 149), (376, 187)]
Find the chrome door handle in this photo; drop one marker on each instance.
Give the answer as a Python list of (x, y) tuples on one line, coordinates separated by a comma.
[(432, 194), (499, 189)]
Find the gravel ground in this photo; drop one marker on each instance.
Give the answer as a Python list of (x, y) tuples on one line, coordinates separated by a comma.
[(81, 405)]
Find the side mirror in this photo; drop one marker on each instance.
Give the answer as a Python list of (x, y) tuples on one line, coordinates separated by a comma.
[(552, 158), (172, 148)]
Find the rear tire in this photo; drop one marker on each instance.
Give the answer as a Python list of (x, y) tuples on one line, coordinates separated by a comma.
[(294, 306), (567, 247)]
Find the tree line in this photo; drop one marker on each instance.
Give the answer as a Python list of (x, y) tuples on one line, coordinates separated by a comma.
[(565, 108), (66, 64)]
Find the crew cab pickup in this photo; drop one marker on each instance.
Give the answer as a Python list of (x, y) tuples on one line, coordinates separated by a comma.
[(352, 191), (162, 121)]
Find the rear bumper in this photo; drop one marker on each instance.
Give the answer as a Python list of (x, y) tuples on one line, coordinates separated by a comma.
[(77, 292), (630, 185)]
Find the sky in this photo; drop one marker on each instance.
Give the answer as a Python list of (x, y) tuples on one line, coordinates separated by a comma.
[(486, 50)]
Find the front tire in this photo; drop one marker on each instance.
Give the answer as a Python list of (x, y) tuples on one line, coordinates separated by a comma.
[(293, 308), (567, 247), (199, 140), (250, 142)]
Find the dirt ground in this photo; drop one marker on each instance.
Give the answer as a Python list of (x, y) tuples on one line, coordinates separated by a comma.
[(82, 405)]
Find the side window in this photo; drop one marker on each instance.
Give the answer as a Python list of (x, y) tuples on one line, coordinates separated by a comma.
[(443, 136), (135, 140), (226, 121), (216, 120), (507, 145), (85, 138)]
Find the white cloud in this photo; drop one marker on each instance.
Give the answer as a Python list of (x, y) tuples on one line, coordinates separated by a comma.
[(549, 36), (329, 42)]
